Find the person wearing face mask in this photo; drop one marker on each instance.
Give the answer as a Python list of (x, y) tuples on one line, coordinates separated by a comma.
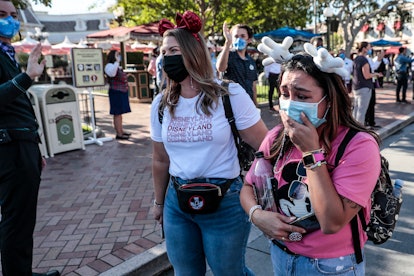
[(118, 93), (317, 41), (234, 61), (21, 162), (315, 198), (193, 143), (401, 67), (362, 84), (374, 63)]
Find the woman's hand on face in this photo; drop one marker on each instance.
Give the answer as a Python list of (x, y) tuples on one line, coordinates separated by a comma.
[(304, 136), (275, 225)]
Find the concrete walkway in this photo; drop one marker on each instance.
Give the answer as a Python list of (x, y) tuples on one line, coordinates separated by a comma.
[(94, 211)]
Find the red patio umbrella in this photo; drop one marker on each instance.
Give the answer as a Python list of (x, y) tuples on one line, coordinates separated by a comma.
[(392, 50), (147, 31), (26, 45)]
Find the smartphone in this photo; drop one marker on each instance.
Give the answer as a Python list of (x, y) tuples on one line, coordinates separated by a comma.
[(309, 222), (298, 220)]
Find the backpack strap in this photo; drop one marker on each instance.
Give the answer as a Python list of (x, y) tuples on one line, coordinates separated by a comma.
[(341, 149), (228, 111), (354, 222)]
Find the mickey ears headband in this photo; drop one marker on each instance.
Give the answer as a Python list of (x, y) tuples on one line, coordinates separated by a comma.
[(280, 52), (188, 21)]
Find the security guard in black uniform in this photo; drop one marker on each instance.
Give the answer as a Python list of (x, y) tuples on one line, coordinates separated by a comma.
[(20, 160)]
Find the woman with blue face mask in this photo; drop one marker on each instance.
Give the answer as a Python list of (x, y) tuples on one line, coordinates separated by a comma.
[(310, 232)]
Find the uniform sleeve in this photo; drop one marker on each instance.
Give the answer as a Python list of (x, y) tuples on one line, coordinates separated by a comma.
[(111, 69), (12, 89)]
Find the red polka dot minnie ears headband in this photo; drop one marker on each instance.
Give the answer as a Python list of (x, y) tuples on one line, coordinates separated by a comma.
[(188, 21)]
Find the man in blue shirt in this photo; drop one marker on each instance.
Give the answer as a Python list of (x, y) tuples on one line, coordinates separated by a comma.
[(235, 63), (401, 67)]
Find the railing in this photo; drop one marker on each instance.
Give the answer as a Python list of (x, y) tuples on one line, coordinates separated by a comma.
[(262, 92)]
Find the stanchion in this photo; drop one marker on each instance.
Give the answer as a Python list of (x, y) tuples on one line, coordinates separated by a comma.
[(93, 139)]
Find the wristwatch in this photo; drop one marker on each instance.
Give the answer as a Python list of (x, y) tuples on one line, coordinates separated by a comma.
[(312, 158)]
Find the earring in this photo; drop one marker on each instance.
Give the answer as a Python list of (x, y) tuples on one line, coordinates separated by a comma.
[(191, 83)]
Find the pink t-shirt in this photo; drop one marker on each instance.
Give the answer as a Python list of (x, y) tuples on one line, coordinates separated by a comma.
[(354, 178)]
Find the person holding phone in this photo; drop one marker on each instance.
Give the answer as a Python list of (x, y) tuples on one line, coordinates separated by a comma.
[(310, 233)]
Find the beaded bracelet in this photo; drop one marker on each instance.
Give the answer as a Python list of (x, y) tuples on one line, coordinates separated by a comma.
[(321, 150), (316, 165), (252, 210)]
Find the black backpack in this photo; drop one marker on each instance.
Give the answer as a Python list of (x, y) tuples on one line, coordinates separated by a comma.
[(385, 207)]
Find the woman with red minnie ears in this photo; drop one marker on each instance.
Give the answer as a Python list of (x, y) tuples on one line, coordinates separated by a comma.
[(193, 143)]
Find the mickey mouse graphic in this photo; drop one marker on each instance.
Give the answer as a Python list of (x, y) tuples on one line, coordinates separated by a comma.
[(196, 202), (293, 198)]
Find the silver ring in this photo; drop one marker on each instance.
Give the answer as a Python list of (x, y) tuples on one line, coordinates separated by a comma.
[(295, 236), (283, 238)]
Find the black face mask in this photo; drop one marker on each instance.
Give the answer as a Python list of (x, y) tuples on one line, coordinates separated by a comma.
[(174, 68)]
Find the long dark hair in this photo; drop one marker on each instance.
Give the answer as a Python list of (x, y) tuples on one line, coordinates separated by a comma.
[(111, 58), (340, 111)]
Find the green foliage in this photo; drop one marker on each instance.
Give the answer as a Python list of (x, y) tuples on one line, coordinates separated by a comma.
[(261, 15), (22, 58), (59, 61), (135, 58), (353, 14), (21, 4)]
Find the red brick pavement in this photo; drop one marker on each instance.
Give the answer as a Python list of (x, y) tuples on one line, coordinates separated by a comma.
[(94, 204)]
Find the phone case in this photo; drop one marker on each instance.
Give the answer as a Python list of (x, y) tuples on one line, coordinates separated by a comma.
[(309, 222)]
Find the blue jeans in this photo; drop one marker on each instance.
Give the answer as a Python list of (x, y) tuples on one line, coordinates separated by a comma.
[(285, 264), (220, 237)]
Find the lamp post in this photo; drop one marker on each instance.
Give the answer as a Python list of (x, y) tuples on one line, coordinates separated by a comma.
[(328, 13), (119, 14), (315, 28)]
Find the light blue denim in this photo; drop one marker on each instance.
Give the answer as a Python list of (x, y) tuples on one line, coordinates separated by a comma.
[(289, 265), (220, 237)]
